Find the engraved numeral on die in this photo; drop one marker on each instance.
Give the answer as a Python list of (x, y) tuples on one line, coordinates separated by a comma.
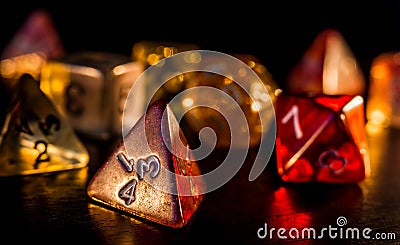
[(126, 163), (41, 146), (73, 92), (144, 165), (127, 193), (51, 122), (48, 126), (23, 127), (294, 112), (332, 160)]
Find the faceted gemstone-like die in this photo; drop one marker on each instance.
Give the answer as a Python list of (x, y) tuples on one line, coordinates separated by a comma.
[(149, 53), (90, 89), (260, 97), (36, 35), (328, 66), (321, 138), (144, 177), (35, 137), (35, 42)]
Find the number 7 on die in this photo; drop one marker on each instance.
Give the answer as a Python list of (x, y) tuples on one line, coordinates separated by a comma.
[(321, 138)]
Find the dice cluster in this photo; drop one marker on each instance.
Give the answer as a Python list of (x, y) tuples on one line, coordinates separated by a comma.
[(320, 122)]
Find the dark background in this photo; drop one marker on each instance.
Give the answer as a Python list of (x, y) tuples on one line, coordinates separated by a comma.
[(276, 32), (54, 209)]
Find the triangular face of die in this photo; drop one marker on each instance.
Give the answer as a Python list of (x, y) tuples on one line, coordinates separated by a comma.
[(36, 35), (321, 139), (35, 138), (328, 66), (144, 178)]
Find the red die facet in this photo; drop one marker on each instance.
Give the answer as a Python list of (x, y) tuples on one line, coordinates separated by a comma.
[(321, 138)]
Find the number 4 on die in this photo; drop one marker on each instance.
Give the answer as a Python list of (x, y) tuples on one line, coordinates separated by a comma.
[(321, 138)]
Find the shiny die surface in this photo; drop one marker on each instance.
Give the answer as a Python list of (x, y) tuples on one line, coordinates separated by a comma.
[(90, 88), (151, 53), (321, 138), (328, 66), (35, 138), (259, 97), (145, 179)]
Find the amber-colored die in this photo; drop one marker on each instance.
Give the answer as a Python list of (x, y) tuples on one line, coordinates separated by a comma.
[(383, 105), (261, 96), (36, 138), (149, 53)]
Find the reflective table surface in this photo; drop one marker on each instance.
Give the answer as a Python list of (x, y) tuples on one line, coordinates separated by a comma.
[(55, 208)]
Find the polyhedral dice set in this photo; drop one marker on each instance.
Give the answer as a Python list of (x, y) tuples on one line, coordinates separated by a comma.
[(320, 124)]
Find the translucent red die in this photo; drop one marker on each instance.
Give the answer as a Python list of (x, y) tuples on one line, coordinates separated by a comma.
[(321, 138)]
